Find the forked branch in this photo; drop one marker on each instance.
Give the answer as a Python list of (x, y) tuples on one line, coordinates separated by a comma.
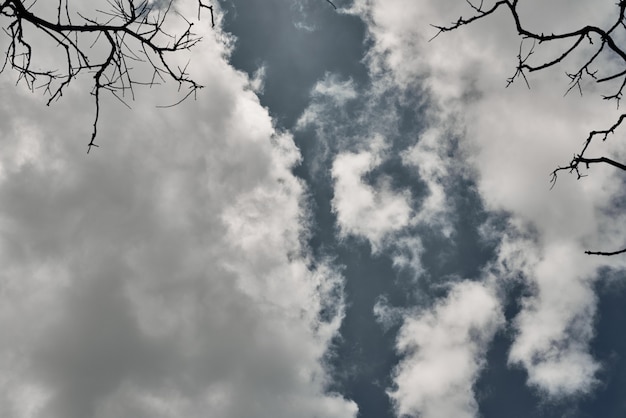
[(603, 42), (129, 32)]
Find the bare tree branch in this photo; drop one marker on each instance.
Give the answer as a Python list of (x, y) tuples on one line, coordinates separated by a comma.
[(603, 41), (129, 32), (610, 253)]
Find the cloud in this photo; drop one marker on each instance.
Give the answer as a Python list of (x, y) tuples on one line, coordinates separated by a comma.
[(389, 175), (364, 210), (165, 273), (554, 330), (431, 158), (339, 91), (372, 201), (554, 326), (330, 89), (444, 351), (512, 138), (395, 181)]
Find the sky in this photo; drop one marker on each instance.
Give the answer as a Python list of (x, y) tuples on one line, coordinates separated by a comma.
[(350, 220)]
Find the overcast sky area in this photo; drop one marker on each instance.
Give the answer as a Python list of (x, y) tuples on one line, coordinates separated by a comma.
[(350, 220)]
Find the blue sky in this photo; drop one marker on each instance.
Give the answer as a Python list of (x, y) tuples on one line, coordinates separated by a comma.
[(350, 220)]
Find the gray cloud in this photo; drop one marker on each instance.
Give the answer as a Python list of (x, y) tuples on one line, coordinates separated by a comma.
[(164, 274), (169, 274)]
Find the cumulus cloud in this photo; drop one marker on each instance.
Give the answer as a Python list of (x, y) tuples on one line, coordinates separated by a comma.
[(164, 274), (444, 351), (510, 140), (364, 210), (389, 175), (554, 330), (443, 348), (382, 205)]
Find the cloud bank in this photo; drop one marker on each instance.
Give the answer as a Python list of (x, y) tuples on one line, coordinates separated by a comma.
[(165, 274)]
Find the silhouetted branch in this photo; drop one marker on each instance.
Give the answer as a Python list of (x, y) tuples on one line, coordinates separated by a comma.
[(606, 41), (606, 253), (129, 32), (573, 166)]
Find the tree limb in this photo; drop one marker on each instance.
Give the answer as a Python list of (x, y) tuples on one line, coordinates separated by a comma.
[(129, 32), (608, 42), (610, 253)]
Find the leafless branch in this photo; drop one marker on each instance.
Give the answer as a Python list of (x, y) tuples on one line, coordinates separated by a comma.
[(603, 41), (130, 32), (610, 253)]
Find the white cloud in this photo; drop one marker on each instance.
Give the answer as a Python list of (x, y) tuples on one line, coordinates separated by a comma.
[(163, 274), (330, 88), (257, 83), (512, 139), (339, 91), (357, 143), (444, 351), (386, 315), (556, 326), (431, 158), (372, 212), (407, 253)]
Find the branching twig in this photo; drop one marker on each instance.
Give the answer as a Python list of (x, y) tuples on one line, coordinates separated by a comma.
[(607, 43), (129, 33)]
